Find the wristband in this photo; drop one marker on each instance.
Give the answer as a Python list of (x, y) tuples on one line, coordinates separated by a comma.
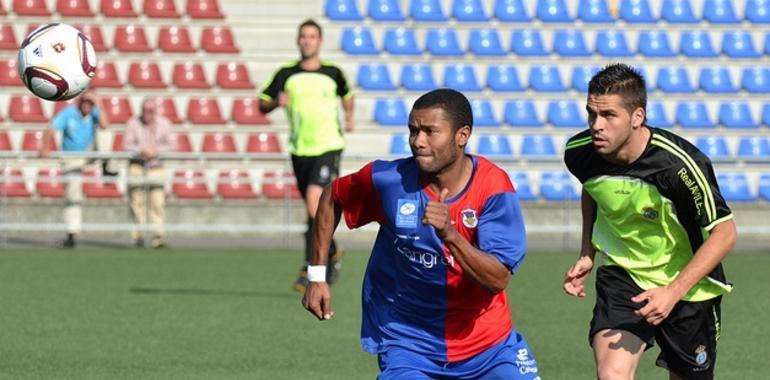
[(316, 273)]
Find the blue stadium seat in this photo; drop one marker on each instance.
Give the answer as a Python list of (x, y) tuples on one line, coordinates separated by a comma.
[(636, 11), (522, 185), (461, 77), (714, 146), (678, 12), (648, 82), (739, 44), (757, 11), (399, 145), (693, 114), (342, 10), (390, 111), (716, 80), (417, 77), (385, 10), (656, 115), (764, 186), (485, 42), (736, 114), (696, 44), (754, 148), (581, 75), (483, 114), (538, 147), (469, 11), (655, 43), (494, 145), (401, 41), (358, 41), (674, 79), (375, 77), (735, 187), (511, 11), (552, 11), (565, 114), (570, 43), (521, 113), (612, 43), (427, 10), (556, 186), (756, 80), (503, 78), (766, 114), (528, 42), (443, 42), (594, 11), (766, 49), (545, 79), (720, 12)]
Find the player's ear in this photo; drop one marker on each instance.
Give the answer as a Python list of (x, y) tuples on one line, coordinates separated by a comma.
[(462, 135), (637, 117)]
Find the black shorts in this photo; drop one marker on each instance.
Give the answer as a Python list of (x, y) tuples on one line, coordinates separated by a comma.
[(687, 338), (316, 170)]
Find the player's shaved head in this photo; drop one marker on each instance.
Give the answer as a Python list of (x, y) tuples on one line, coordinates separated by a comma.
[(455, 105), (620, 79)]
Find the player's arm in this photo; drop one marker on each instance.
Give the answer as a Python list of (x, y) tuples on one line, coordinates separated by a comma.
[(347, 106), (575, 278), (273, 96), (45, 143)]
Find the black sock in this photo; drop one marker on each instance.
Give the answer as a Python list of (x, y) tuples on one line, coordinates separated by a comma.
[(70, 238)]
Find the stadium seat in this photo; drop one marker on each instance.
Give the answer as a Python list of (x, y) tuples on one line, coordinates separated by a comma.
[(674, 79), (766, 49), (581, 75), (523, 186), (183, 144), (715, 147), (94, 34), (263, 142), (374, 77), (461, 77), (30, 8), (218, 142), (235, 184), (131, 39), (5, 141), (3, 11), (539, 146), (485, 42), (390, 111), (656, 115), (8, 38), (716, 80), (218, 39), (245, 111), (426, 10), (280, 184), (655, 44), (766, 114), (106, 76), (95, 185), (417, 77), (189, 75), (190, 184), (483, 114), (552, 11), (720, 12), (145, 74), (696, 44), (204, 111), (503, 78), (174, 39), (521, 113), (469, 11), (612, 43), (546, 79), (556, 186), (160, 9), (566, 114), (399, 145), (116, 109), (636, 11), (442, 42), (26, 109), (117, 8), (385, 10), (358, 41), (401, 41), (757, 11), (167, 108), (59, 106), (494, 145), (49, 183), (764, 186), (118, 142), (754, 148), (233, 76), (735, 187), (739, 44), (693, 114), (204, 9), (511, 11), (570, 43), (74, 8), (736, 114), (9, 74), (594, 11), (678, 12), (342, 10), (12, 183), (528, 42)]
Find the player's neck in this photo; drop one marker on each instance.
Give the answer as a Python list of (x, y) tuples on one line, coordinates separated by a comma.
[(634, 148), (310, 63), (454, 177)]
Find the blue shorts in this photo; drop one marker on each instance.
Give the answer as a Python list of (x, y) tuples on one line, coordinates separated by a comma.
[(509, 359)]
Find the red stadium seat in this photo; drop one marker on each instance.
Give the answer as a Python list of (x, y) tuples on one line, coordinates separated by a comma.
[(94, 34), (8, 38), (174, 39), (131, 39), (9, 74), (235, 184), (5, 141), (245, 111), (117, 142), (117, 8), (12, 183), (74, 8), (280, 184), (49, 183), (31, 141), (167, 109), (204, 111), (145, 75), (218, 142), (208, 9), (27, 109), (58, 106), (263, 142), (190, 75), (218, 39), (190, 184), (233, 75), (106, 76), (3, 12), (95, 186), (183, 144), (116, 109), (160, 9), (31, 8)]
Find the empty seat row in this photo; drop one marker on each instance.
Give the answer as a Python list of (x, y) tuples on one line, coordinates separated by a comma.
[(750, 148), (196, 9)]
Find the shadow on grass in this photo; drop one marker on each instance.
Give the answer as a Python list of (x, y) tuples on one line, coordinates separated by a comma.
[(210, 292)]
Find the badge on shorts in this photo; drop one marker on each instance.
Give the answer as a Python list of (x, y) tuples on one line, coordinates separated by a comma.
[(700, 355), (406, 215)]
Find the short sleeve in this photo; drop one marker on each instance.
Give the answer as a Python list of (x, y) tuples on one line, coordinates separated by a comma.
[(356, 195), (697, 192), (343, 90), (274, 86), (59, 121), (501, 229)]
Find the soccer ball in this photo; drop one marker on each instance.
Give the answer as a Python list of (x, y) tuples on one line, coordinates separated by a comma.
[(56, 62)]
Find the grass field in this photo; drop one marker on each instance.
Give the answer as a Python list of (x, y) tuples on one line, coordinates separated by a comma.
[(195, 314)]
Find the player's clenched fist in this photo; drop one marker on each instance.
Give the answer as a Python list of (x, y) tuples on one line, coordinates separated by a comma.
[(437, 214), (318, 300)]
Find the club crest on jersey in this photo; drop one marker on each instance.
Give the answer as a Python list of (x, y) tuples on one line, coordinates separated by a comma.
[(700, 355), (406, 215), (469, 218)]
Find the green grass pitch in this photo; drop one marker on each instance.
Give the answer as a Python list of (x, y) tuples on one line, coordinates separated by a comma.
[(205, 314)]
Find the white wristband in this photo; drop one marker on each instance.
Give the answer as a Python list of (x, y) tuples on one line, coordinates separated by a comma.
[(316, 273)]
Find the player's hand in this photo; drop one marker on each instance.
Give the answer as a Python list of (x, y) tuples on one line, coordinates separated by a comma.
[(574, 280), (283, 99), (349, 125), (437, 215), (660, 302), (318, 300)]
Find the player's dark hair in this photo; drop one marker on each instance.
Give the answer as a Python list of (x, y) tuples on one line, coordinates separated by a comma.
[(620, 79), (454, 103), (310, 22)]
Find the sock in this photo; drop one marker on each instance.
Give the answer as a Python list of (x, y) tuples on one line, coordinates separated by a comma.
[(70, 238)]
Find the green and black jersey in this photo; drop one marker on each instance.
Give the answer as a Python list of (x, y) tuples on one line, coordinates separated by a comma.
[(313, 109), (653, 214)]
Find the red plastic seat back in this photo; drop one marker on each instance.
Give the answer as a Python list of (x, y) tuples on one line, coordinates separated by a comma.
[(174, 39), (27, 109), (160, 9), (235, 184), (116, 109), (218, 39), (145, 74), (263, 142), (131, 39), (280, 185), (246, 111), (218, 142), (117, 8), (207, 9), (204, 111), (12, 183), (50, 183)]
